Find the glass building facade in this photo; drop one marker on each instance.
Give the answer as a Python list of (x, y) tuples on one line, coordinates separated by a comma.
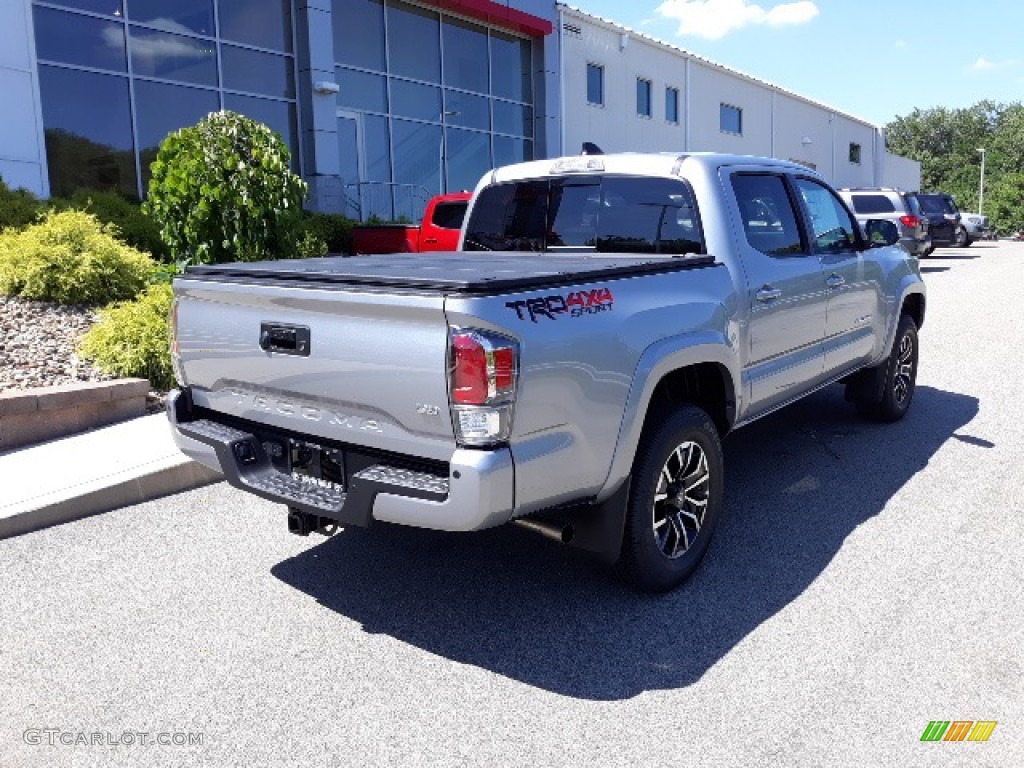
[(428, 102), (428, 99), (116, 76)]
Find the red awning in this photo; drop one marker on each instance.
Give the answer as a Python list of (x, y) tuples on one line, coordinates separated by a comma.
[(498, 15)]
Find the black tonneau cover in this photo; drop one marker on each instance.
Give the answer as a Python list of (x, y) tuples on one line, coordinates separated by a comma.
[(449, 272)]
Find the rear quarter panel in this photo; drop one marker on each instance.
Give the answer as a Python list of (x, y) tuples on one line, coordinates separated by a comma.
[(577, 372)]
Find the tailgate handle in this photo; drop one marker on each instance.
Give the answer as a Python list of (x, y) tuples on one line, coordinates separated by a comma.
[(284, 339)]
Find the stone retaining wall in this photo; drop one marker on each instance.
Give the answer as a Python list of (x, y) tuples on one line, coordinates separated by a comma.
[(33, 415)]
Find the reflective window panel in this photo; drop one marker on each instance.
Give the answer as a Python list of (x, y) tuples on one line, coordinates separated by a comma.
[(107, 7), (359, 33), (263, 23), (87, 121), (360, 90), (244, 69), (414, 44), (417, 155), (513, 118), (161, 108), (508, 150), (181, 16), (71, 38), (467, 156), (467, 110), (172, 57), (465, 55), (510, 67), (422, 102)]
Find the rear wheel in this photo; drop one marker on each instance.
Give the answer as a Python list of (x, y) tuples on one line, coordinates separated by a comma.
[(962, 238), (674, 502)]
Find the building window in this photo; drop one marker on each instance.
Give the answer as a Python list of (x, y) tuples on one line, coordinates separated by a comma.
[(643, 97), (595, 84), (730, 119), (855, 153), (104, 120), (672, 105)]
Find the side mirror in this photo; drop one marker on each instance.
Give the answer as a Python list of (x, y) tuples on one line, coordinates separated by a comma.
[(881, 232)]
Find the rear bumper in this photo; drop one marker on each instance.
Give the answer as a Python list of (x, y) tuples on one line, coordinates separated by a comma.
[(474, 491)]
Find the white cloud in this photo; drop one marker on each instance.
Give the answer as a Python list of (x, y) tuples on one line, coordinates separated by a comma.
[(983, 64), (713, 19), (900, 44)]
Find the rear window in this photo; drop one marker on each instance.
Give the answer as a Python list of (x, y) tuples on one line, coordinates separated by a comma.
[(605, 214), (936, 204), (449, 215), (872, 204)]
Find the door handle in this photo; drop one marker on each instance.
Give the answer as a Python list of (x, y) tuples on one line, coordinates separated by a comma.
[(768, 294), (431, 240), (835, 281)]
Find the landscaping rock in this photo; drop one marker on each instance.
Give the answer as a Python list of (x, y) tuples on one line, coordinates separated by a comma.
[(39, 342)]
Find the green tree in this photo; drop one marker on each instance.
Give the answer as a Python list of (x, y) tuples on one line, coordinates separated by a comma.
[(946, 142), (222, 190)]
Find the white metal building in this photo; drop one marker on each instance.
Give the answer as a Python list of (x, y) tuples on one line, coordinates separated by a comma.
[(625, 91)]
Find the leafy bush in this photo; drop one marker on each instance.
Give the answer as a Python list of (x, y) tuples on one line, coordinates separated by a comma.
[(18, 207), (71, 258), (222, 191), (333, 229), (133, 338), (136, 228)]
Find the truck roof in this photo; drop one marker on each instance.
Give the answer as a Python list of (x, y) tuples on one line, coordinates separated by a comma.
[(631, 163)]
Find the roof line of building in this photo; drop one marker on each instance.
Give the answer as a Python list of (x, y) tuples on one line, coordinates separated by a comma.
[(615, 26)]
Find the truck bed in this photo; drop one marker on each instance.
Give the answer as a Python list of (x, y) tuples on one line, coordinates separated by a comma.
[(449, 272)]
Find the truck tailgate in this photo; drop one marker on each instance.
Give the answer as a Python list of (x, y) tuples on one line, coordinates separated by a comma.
[(360, 366)]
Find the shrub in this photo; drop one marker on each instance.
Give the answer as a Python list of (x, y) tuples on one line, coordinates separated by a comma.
[(18, 207), (333, 229), (71, 258), (133, 338), (222, 191), (136, 228)]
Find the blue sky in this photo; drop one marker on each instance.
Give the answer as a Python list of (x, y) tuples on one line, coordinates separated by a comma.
[(871, 58)]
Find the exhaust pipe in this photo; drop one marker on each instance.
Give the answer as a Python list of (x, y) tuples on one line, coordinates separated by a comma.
[(562, 533)]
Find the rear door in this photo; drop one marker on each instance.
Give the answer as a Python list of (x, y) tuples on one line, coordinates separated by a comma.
[(441, 226), (785, 290), (852, 283)]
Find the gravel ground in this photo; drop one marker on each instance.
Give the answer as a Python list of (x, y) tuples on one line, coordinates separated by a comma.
[(39, 342)]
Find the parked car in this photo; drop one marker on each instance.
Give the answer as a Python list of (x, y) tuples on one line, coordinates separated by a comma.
[(977, 226), (893, 205), (943, 220), (439, 230), (573, 367)]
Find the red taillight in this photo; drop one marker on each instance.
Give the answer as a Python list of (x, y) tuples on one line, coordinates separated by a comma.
[(469, 370), (910, 221), (483, 368)]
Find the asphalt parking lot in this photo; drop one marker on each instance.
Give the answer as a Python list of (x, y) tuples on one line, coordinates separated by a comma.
[(864, 581)]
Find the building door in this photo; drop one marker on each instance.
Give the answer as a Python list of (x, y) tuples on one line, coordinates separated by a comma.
[(350, 148)]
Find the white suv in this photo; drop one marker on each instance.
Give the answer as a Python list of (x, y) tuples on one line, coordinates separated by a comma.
[(896, 206)]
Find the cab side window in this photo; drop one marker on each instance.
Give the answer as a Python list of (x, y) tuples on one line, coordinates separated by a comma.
[(832, 226), (767, 215)]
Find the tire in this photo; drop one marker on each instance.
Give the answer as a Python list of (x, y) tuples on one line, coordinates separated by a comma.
[(899, 377), (928, 251), (962, 239), (674, 502)]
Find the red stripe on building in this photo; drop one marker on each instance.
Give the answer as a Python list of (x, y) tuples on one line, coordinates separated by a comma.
[(497, 14)]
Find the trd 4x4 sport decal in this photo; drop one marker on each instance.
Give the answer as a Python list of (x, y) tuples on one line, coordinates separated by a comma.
[(575, 304)]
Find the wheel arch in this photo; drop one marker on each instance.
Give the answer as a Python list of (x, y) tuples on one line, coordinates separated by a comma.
[(702, 372)]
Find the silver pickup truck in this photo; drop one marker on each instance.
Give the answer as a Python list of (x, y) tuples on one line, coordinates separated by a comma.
[(573, 368)]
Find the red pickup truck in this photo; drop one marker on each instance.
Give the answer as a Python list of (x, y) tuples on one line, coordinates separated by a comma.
[(439, 231)]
